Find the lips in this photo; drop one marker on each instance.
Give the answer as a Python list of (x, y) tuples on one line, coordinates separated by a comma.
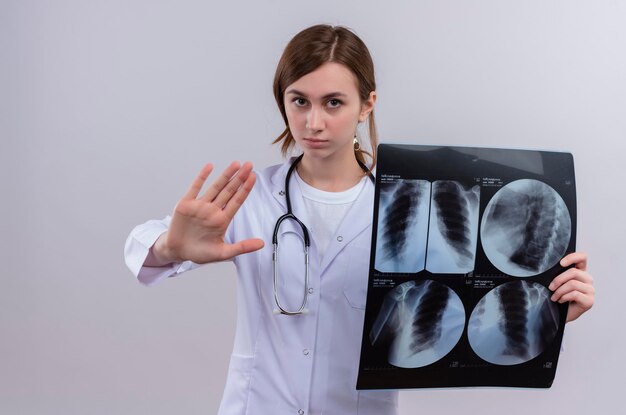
[(315, 142)]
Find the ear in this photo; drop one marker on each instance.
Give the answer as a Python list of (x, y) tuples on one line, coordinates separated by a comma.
[(367, 107)]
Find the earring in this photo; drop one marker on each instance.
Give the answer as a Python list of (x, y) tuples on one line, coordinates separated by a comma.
[(357, 145)]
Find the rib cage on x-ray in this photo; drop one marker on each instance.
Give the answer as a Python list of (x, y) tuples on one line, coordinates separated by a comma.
[(513, 323), (402, 226), (453, 230), (526, 228), (423, 320)]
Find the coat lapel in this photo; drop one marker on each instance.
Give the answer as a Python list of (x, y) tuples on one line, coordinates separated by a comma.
[(278, 184), (357, 219), (297, 202)]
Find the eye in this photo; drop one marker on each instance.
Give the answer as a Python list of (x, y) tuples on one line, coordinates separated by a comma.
[(334, 103), (300, 102)]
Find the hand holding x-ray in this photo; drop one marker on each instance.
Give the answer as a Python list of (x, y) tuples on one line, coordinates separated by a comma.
[(574, 285)]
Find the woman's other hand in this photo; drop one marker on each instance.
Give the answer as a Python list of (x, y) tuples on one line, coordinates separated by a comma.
[(199, 222), (574, 285)]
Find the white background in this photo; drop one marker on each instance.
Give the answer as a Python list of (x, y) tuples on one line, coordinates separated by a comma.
[(109, 109)]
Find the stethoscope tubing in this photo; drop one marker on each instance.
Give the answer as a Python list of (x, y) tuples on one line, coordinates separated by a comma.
[(307, 243)]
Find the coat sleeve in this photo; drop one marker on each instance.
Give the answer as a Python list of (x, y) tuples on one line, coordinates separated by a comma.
[(136, 250)]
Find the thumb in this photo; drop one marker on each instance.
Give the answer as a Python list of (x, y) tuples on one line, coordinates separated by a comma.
[(243, 247)]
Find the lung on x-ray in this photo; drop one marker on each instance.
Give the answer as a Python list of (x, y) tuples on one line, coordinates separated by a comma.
[(402, 225), (465, 242), (453, 227)]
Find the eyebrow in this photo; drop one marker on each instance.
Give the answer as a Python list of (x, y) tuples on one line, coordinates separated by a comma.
[(330, 95)]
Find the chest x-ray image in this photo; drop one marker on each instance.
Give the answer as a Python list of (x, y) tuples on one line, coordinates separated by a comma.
[(424, 319), (465, 242), (423, 225), (513, 323), (526, 228)]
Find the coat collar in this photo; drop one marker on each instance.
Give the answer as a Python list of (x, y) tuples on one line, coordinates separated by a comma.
[(278, 185)]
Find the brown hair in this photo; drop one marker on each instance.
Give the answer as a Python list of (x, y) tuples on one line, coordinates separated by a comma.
[(310, 49)]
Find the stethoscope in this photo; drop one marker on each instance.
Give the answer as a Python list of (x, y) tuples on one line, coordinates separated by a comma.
[(307, 242)]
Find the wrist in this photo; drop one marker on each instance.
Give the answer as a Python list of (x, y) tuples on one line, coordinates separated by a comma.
[(160, 254)]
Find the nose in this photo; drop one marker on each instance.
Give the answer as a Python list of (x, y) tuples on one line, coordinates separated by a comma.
[(315, 119)]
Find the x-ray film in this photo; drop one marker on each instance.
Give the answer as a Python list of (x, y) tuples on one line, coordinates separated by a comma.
[(465, 243)]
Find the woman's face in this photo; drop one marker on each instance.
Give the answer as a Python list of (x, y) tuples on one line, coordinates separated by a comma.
[(323, 109)]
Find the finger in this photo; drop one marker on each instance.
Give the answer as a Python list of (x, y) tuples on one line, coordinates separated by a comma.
[(198, 182), (216, 187), (572, 273), (242, 247), (233, 185), (577, 258), (572, 286), (582, 300), (240, 196)]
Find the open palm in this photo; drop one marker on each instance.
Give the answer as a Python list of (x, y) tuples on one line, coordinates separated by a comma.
[(199, 223)]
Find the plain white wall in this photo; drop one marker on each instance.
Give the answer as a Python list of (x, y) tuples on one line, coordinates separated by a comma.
[(108, 110)]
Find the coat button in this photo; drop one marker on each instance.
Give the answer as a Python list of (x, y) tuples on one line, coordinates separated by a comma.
[(305, 352), (310, 290), (340, 238), (282, 193), (300, 412)]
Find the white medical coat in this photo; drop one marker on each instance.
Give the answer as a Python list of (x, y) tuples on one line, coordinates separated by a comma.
[(305, 364)]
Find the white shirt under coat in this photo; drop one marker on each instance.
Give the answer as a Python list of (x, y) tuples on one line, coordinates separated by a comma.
[(305, 364)]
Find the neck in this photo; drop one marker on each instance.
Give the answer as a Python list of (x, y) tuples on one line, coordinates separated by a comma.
[(330, 176)]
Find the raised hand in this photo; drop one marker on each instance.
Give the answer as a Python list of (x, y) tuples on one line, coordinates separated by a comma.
[(199, 222), (574, 285)]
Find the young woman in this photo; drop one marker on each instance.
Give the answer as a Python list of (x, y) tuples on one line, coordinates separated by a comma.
[(299, 325)]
